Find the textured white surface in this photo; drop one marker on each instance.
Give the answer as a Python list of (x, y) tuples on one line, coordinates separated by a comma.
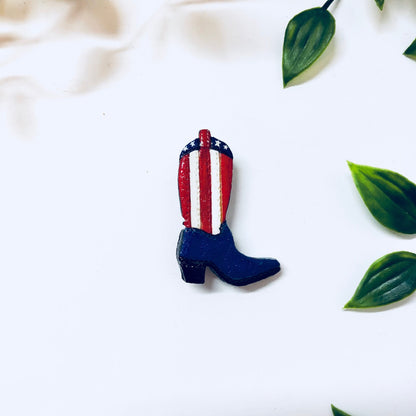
[(94, 317)]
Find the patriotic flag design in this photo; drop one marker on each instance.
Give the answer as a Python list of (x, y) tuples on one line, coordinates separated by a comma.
[(205, 176)]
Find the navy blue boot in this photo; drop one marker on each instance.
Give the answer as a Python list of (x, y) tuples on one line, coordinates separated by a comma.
[(205, 176), (198, 249)]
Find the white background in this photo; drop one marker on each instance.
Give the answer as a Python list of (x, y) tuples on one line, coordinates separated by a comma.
[(97, 100)]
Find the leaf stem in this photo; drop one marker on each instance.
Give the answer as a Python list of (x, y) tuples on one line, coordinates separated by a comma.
[(327, 4)]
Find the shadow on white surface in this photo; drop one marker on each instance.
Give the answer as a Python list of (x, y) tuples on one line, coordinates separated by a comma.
[(198, 2), (17, 95), (396, 6), (50, 48), (221, 30)]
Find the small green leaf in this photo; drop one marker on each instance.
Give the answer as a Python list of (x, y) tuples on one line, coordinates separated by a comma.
[(338, 412), (390, 197), (411, 50), (307, 36), (380, 4), (389, 279)]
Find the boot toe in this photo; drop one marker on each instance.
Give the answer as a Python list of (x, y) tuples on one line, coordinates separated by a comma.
[(263, 268), (249, 270)]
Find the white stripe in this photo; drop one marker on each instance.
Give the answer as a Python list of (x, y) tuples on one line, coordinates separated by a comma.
[(194, 182), (215, 191)]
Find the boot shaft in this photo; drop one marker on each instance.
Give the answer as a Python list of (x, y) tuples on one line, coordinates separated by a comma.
[(204, 180)]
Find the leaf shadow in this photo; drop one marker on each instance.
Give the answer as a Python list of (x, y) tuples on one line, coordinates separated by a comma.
[(218, 29), (401, 235), (185, 3), (13, 10), (334, 6), (100, 17), (318, 66), (17, 95), (7, 39), (98, 66), (96, 60), (203, 32), (394, 6)]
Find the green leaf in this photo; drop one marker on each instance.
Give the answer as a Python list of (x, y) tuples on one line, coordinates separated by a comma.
[(338, 412), (389, 279), (380, 4), (390, 197), (411, 50), (307, 36)]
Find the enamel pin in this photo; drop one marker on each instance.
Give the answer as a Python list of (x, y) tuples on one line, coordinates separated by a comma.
[(204, 180)]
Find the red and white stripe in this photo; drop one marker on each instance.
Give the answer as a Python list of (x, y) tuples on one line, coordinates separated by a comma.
[(205, 177)]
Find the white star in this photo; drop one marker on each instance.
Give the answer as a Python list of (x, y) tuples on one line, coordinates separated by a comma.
[(192, 144), (185, 149), (225, 147), (217, 143)]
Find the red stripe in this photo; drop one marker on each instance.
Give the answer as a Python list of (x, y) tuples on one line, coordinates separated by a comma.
[(205, 189), (205, 138), (185, 190), (226, 177)]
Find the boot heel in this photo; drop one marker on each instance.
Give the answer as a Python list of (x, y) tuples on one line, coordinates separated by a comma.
[(192, 271)]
